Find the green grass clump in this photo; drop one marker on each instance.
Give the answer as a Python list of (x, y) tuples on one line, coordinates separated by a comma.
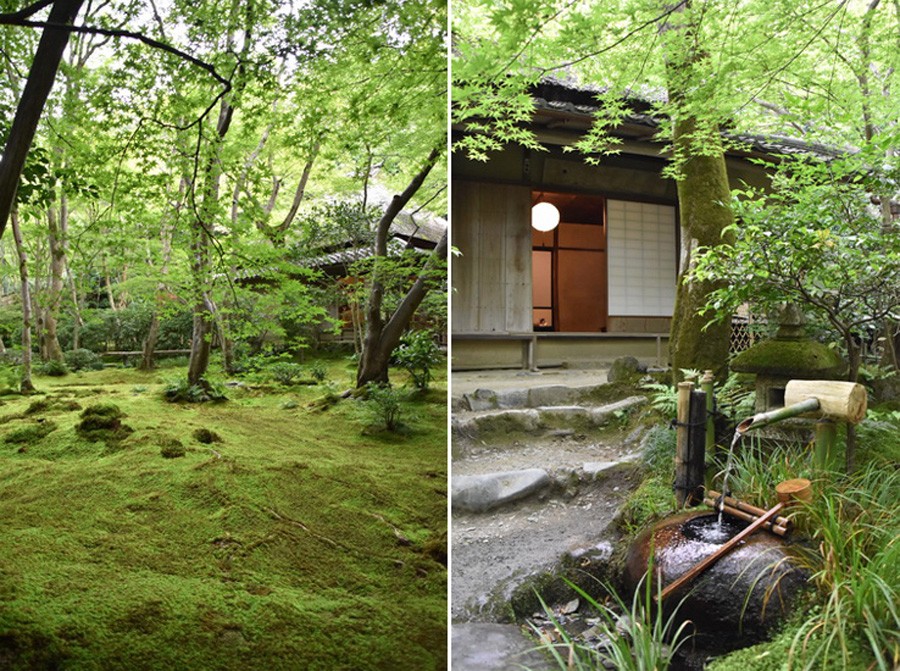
[(282, 554), (206, 436), (103, 422), (171, 448), (30, 433), (651, 501)]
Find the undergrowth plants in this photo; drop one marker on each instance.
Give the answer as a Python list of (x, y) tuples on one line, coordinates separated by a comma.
[(637, 635), (856, 568), (853, 557)]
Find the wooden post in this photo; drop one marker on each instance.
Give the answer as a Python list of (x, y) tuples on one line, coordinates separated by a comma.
[(681, 445)]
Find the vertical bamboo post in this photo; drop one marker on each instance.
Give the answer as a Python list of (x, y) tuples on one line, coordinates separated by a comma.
[(706, 384), (681, 445), (826, 438), (696, 456)]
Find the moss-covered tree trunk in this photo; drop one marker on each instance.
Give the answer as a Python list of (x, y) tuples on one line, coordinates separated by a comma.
[(703, 194), (703, 197)]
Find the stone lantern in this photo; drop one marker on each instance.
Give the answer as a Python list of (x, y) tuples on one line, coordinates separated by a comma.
[(790, 355)]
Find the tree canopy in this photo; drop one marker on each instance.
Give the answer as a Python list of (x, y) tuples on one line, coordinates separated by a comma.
[(183, 143)]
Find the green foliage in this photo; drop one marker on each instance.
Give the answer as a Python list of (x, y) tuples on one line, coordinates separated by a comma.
[(652, 500), (418, 354), (83, 359), (659, 449), (663, 397), (181, 391), (856, 564), (810, 242), (10, 378), (638, 635), (285, 372), (30, 433), (54, 368), (383, 407), (318, 371)]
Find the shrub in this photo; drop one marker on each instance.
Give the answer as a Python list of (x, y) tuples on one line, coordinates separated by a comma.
[(382, 403), (418, 354), (10, 380), (54, 368), (171, 448), (286, 372), (30, 433), (319, 371), (83, 359)]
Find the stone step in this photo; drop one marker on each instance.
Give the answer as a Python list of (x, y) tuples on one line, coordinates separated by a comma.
[(505, 399), (546, 417), (479, 493)]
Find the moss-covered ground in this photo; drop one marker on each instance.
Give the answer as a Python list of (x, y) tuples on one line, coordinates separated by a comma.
[(296, 541)]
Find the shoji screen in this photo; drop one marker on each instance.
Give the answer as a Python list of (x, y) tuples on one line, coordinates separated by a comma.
[(641, 259)]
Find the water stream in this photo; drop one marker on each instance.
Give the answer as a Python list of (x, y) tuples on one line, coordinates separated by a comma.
[(738, 434)]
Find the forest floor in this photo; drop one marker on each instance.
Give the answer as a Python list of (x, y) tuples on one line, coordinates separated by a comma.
[(296, 540)]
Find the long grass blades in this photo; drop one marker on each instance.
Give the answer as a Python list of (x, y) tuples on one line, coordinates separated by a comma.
[(635, 636), (857, 570)]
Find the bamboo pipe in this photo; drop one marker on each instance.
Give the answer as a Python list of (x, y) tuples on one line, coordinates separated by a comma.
[(724, 549), (762, 419), (747, 517), (746, 507)]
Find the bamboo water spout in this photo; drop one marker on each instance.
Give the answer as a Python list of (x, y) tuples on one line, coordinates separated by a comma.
[(762, 419)]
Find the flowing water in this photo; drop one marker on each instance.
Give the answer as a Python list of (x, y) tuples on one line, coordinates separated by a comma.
[(738, 434)]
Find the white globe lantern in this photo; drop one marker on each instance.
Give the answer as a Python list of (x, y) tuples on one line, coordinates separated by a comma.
[(544, 217)]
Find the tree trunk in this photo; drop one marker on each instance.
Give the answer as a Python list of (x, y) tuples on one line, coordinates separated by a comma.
[(25, 384), (373, 366), (377, 347), (201, 237), (703, 197), (31, 105), (53, 351)]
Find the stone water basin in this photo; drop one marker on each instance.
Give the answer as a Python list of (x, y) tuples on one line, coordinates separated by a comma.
[(738, 600)]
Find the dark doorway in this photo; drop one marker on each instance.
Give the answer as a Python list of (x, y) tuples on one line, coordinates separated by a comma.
[(569, 288)]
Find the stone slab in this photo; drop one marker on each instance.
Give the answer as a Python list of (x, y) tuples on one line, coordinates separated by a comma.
[(478, 493), (477, 646)]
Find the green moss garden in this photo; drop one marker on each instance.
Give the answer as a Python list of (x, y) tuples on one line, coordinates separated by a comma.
[(300, 537)]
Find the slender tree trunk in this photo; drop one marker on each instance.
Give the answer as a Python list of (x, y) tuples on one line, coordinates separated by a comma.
[(201, 232), (57, 268), (25, 384)]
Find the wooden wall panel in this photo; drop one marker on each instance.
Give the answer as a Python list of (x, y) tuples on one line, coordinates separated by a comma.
[(492, 277)]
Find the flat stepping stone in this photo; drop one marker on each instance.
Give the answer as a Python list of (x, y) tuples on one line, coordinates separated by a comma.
[(478, 493), (495, 647)]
